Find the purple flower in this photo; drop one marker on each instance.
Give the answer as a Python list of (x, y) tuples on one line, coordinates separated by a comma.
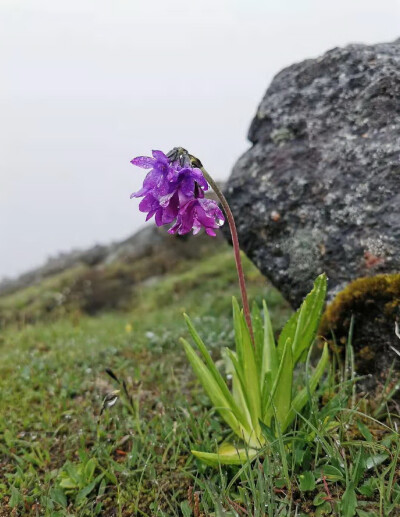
[(159, 195), (174, 190), (196, 214), (163, 214), (184, 179), (156, 180)]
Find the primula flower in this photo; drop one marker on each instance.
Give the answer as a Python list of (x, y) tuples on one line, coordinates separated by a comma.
[(156, 182), (198, 213), (165, 209), (173, 190)]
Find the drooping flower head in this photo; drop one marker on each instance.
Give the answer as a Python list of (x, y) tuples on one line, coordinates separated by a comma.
[(173, 190)]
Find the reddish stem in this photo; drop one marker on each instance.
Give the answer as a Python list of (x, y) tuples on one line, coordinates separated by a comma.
[(236, 249)]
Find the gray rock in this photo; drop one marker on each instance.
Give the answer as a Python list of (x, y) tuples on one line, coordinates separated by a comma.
[(319, 190)]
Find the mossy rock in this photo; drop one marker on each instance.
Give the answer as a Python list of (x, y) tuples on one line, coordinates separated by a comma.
[(374, 302)]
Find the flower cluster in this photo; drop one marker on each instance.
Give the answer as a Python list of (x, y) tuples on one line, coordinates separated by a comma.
[(174, 193)]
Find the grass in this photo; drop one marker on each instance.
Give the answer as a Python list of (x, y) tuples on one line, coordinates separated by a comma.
[(59, 457)]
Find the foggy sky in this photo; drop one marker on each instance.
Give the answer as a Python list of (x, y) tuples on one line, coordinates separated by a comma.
[(86, 85)]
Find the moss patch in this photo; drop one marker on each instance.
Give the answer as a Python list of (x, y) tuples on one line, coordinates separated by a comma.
[(374, 302)]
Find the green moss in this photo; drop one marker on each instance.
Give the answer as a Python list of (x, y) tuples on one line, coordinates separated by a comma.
[(380, 289)]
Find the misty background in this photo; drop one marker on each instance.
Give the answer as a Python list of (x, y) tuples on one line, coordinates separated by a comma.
[(87, 85)]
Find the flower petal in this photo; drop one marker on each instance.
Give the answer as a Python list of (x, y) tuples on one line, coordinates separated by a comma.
[(174, 228), (171, 211), (159, 217), (150, 215), (205, 219), (200, 179), (212, 209), (145, 162), (187, 186), (159, 155), (148, 204), (139, 193), (153, 179)]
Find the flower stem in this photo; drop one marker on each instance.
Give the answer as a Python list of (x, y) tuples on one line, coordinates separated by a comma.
[(236, 248)]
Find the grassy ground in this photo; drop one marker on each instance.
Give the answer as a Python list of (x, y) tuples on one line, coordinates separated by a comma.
[(59, 457)]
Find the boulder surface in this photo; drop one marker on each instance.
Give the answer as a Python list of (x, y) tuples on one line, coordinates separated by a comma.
[(319, 190)]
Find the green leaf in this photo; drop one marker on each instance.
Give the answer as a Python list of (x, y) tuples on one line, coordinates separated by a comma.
[(324, 510), (215, 373), (269, 354), (258, 332), (238, 386), (81, 495), (280, 482), (102, 488), (288, 332), (330, 472), (248, 367), (282, 395), (227, 455), (349, 501), (282, 449), (319, 499), (301, 399), (358, 466), (112, 478), (364, 431), (58, 496), (266, 398), (362, 513), (68, 483), (306, 481), (212, 389), (267, 432), (90, 467), (302, 326), (74, 472), (185, 509), (375, 460), (16, 497), (237, 325), (269, 397), (368, 487)]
